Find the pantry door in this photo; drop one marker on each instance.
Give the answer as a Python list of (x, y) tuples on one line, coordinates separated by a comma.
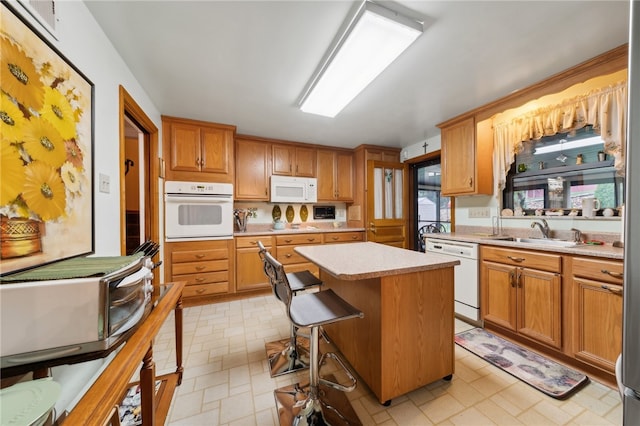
[(387, 203)]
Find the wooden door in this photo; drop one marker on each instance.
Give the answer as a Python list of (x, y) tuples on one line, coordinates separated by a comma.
[(344, 176), (498, 294), (185, 148), (598, 322), (326, 175), (305, 164), (282, 160), (539, 305), (216, 150), (252, 171), (386, 203), (459, 158)]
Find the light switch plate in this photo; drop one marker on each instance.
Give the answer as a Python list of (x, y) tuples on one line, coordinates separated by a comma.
[(104, 183)]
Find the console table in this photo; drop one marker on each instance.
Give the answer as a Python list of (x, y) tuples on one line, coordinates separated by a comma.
[(99, 404)]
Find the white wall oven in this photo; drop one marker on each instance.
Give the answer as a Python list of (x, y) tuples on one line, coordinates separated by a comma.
[(197, 211)]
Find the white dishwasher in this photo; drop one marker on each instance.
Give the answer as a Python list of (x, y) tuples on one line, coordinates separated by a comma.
[(466, 283)]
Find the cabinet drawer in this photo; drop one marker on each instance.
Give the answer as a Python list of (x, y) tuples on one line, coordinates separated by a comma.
[(297, 267), (252, 242), (200, 267), (343, 237), (205, 289), (526, 259), (199, 255), (597, 269), (298, 239), (286, 255), (197, 279)]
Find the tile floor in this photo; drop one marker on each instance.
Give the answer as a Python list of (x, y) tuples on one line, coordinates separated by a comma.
[(226, 381)]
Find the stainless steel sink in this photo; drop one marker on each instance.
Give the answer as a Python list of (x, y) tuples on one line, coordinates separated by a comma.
[(544, 242)]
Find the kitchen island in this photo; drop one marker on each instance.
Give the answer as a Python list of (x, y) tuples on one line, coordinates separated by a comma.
[(405, 339)]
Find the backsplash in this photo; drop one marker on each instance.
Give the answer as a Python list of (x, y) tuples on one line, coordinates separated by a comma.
[(264, 212)]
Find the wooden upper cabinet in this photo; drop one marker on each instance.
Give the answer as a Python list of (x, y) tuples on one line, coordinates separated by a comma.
[(290, 160), (252, 165), (467, 158), (335, 175), (198, 151)]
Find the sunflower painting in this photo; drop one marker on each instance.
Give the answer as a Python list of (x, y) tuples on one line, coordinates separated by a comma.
[(46, 185)]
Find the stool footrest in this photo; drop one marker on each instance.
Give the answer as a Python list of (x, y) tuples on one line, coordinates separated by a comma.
[(347, 370)]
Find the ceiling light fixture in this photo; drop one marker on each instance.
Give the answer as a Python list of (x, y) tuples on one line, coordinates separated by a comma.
[(374, 38)]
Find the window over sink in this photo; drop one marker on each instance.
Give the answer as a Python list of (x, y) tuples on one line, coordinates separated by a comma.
[(557, 172)]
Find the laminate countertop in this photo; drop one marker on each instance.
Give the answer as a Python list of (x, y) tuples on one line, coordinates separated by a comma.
[(604, 251), (355, 261)]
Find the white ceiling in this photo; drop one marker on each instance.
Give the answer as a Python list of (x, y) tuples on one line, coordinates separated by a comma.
[(247, 62)]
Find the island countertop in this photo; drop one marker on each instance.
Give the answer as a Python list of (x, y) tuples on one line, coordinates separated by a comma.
[(354, 261)]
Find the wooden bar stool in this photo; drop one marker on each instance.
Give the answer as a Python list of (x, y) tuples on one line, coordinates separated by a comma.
[(290, 354), (322, 401)]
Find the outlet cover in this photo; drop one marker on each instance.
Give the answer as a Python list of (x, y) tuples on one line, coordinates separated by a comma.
[(476, 212)]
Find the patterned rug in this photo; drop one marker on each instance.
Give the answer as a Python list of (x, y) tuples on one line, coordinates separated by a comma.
[(543, 374)]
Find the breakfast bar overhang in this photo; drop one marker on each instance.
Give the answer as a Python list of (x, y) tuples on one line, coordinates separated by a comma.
[(405, 339)]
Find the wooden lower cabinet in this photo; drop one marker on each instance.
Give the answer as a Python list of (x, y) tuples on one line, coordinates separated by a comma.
[(249, 269), (518, 296), (292, 261), (597, 332), (205, 266), (343, 237)]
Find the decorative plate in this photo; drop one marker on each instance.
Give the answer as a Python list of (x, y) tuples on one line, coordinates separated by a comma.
[(290, 214), (276, 214), (304, 213), (28, 402)]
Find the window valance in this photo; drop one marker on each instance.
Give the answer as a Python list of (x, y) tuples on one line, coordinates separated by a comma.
[(604, 109)]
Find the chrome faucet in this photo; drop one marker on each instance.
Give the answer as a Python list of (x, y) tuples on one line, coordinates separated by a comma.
[(544, 227)]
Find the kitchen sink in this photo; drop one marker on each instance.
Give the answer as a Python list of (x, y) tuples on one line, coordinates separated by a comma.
[(543, 241)]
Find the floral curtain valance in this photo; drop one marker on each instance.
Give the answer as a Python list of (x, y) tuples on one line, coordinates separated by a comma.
[(604, 109)]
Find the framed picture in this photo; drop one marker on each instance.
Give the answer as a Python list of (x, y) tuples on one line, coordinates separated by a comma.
[(46, 151)]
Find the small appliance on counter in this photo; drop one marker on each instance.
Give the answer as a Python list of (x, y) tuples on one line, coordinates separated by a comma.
[(73, 307)]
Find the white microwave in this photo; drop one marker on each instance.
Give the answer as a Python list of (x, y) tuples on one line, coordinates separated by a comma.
[(286, 189)]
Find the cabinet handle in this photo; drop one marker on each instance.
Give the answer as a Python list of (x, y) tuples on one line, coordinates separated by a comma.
[(611, 289), (200, 291), (512, 281), (199, 256), (287, 241), (372, 228), (265, 191), (197, 161), (288, 255), (199, 279), (311, 240), (470, 182), (254, 243), (199, 268), (612, 274), (354, 237), (289, 167), (517, 259), (519, 279), (334, 238)]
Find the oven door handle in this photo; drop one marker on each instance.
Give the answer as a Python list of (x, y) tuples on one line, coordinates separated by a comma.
[(200, 199)]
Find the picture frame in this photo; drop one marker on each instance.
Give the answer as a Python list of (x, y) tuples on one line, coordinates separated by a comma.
[(46, 170)]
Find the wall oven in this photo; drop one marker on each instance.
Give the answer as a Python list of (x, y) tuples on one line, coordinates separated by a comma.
[(198, 211)]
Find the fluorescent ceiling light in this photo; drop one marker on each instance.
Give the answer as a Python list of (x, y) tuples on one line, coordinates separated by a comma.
[(596, 140), (374, 38)]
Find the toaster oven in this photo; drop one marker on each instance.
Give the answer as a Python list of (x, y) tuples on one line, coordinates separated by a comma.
[(55, 318)]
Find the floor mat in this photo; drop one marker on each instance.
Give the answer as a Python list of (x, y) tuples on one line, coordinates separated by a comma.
[(546, 375)]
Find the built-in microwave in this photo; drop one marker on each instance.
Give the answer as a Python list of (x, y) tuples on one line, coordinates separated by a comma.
[(286, 189), (198, 211)]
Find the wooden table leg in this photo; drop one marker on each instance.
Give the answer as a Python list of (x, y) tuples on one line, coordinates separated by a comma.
[(148, 388), (178, 332)]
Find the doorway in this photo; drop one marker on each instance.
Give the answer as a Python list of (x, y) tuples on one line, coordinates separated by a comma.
[(139, 173), (430, 206)]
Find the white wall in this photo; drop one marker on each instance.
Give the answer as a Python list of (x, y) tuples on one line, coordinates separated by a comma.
[(82, 41)]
